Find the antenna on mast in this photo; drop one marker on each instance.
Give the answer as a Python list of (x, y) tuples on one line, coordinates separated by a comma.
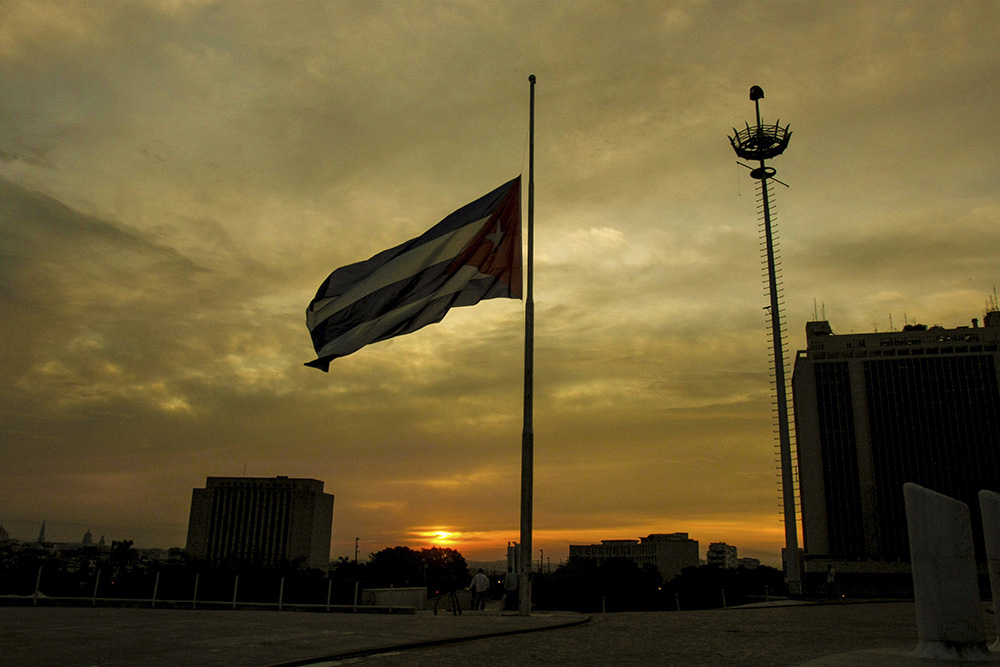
[(758, 144), (992, 316)]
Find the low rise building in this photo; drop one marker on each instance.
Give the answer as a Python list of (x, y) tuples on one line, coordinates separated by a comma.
[(669, 552), (721, 555)]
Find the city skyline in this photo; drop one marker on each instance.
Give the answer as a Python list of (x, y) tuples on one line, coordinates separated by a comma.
[(545, 561), (178, 178)]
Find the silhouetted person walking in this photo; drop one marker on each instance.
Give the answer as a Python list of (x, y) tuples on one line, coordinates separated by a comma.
[(510, 590), (480, 584)]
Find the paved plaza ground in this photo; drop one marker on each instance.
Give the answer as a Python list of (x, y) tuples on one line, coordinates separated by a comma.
[(818, 635)]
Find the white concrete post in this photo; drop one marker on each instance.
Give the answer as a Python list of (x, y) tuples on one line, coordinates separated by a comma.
[(156, 586), (949, 617), (989, 505), (97, 582), (38, 585)]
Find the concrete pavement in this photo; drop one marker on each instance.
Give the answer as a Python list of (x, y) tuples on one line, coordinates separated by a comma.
[(817, 635)]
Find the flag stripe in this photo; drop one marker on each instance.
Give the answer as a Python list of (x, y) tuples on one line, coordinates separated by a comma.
[(430, 309), (400, 268), (471, 214), (471, 255), (414, 289)]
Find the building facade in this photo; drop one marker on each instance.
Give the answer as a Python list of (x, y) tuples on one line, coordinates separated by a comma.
[(671, 552), (876, 410), (721, 555), (268, 521)]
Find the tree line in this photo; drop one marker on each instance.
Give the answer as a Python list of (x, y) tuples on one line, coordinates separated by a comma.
[(123, 572)]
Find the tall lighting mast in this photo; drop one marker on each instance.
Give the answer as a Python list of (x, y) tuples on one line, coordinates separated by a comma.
[(758, 144)]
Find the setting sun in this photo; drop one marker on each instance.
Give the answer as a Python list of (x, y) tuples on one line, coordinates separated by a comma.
[(438, 537)]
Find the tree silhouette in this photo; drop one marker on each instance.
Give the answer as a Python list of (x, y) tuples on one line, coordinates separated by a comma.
[(702, 587), (446, 570), (396, 566), (122, 557), (617, 584), (441, 570)]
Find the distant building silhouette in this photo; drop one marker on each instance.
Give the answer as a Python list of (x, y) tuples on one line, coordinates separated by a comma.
[(671, 552), (264, 520), (722, 555), (876, 410), (41, 533), (88, 539)]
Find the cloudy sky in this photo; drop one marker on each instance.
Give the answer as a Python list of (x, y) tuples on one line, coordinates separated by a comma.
[(177, 178)]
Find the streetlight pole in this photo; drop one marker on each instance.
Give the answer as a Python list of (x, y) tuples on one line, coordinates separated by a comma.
[(761, 143)]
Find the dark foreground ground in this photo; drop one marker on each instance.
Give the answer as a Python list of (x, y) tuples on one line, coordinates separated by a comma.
[(844, 634)]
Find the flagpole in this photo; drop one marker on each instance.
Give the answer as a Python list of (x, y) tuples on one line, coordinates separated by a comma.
[(527, 434)]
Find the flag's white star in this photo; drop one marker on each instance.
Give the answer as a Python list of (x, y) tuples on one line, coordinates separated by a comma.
[(495, 237)]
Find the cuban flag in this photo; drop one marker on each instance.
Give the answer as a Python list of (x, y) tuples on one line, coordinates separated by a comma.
[(471, 255)]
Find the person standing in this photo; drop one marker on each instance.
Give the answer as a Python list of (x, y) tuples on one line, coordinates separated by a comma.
[(510, 590), (480, 584), (831, 582)]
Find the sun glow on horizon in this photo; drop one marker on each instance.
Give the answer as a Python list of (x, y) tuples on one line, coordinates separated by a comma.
[(437, 537), (443, 537)]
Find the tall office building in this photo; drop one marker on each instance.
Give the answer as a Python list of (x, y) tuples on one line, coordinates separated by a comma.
[(265, 520), (671, 552), (876, 410)]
